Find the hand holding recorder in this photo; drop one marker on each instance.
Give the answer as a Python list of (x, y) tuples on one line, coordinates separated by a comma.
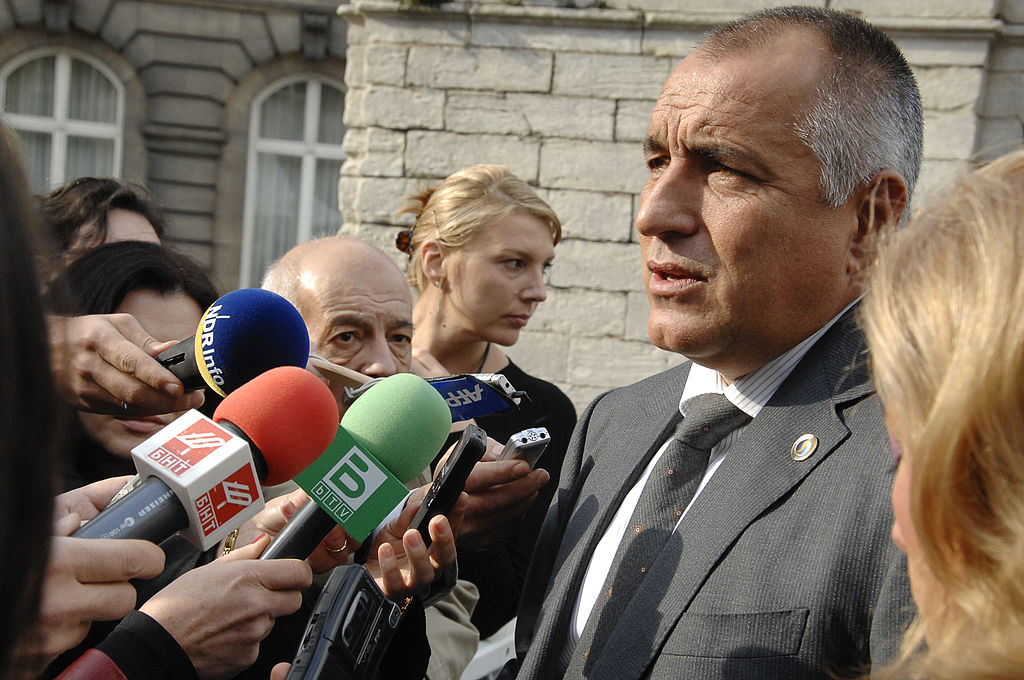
[(500, 493)]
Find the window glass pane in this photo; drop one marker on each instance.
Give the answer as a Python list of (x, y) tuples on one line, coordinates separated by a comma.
[(92, 95), (35, 152), (332, 107), (276, 210), (283, 114), (30, 88), (326, 217), (89, 157)]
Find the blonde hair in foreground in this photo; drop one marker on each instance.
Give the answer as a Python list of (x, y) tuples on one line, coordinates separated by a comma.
[(945, 327), (455, 211)]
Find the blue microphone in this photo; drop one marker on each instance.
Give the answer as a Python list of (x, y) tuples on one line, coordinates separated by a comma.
[(242, 335)]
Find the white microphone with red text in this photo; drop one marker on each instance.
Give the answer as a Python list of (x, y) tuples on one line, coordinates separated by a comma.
[(201, 476)]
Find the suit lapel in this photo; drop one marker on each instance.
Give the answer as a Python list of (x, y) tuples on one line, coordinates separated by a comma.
[(757, 472), (626, 444)]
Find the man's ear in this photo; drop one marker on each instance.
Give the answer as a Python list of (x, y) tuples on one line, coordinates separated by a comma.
[(881, 203), (431, 260)]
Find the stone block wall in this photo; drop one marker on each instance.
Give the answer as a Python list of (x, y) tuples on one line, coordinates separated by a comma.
[(562, 95)]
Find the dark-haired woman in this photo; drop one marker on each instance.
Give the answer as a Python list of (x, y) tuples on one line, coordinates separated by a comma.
[(91, 211), (166, 292)]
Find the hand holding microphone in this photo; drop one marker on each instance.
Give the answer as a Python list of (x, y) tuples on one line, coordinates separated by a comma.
[(388, 436), (240, 336), (85, 581), (88, 501), (105, 363), (274, 425), (408, 565), (335, 549), (101, 362), (219, 613)]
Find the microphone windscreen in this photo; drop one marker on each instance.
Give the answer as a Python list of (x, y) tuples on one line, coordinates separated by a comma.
[(288, 413), (402, 421), (245, 333)]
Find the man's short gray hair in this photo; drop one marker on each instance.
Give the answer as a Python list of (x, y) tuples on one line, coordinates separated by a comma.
[(868, 114)]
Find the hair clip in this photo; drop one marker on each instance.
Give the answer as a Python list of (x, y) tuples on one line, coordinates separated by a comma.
[(403, 241)]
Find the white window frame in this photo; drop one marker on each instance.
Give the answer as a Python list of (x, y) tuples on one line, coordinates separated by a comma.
[(60, 126), (309, 149)]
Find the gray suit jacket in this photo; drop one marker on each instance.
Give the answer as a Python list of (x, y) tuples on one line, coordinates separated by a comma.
[(781, 569)]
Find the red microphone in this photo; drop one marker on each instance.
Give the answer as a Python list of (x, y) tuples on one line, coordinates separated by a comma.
[(199, 475)]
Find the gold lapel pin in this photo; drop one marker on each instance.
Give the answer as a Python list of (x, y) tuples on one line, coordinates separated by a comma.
[(803, 447)]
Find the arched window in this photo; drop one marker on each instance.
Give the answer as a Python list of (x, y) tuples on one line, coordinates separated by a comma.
[(294, 161), (68, 109)]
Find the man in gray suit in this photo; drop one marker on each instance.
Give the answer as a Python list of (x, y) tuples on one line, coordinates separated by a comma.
[(778, 152)]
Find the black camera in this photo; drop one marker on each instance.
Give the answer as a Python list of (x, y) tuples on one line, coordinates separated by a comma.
[(349, 631)]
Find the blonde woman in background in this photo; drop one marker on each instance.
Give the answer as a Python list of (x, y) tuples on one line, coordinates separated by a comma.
[(945, 325), (478, 254)]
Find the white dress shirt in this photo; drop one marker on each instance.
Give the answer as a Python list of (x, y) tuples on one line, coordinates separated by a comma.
[(749, 393)]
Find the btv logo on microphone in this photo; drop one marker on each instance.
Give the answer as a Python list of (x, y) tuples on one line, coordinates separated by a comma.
[(189, 447), (351, 482), (351, 486)]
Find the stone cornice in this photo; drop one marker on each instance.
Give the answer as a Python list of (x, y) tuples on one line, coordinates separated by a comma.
[(324, 6), (950, 27), (524, 14)]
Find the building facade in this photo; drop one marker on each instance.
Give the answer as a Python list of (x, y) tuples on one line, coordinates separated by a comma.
[(239, 115), (228, 111)]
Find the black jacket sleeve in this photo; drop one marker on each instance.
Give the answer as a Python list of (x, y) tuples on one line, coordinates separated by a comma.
[(143, 650)]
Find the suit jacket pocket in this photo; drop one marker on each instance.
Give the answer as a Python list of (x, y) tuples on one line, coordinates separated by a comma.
[(737, 636)]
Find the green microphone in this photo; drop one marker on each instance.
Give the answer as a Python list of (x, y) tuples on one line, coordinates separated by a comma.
[(387, 437)]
